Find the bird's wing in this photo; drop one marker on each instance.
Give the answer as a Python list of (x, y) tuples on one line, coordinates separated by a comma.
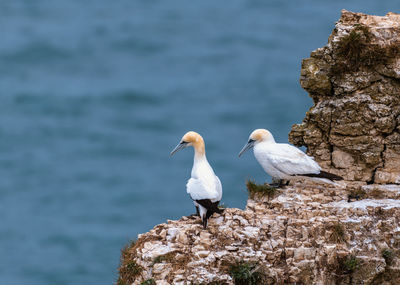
[(218, 188), (290, 160), (200, 190)]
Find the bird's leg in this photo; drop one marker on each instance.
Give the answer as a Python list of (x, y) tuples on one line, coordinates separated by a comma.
[(276, 183), (204, 221), (197, 214), (353, 196)]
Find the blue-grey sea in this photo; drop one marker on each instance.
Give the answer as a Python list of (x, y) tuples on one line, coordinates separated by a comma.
[(95, 94)]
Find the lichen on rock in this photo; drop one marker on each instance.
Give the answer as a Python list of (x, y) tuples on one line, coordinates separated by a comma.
[(353, 128)]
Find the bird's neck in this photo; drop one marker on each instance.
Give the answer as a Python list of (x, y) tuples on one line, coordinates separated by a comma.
[(200, 158), (199, 150), (200, 164), (199, 155)]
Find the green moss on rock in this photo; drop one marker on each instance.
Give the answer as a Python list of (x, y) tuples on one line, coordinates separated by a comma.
[(244, 273), (257, 189), (356, 50)]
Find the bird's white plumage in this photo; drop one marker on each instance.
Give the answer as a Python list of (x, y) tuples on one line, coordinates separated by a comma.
[(283, 160), (204, 184)]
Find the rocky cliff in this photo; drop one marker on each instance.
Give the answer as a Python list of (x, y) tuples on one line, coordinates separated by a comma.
[(308, 232), (353, 127)]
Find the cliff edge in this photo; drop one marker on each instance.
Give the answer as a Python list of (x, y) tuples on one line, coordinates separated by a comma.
[(308, 232)]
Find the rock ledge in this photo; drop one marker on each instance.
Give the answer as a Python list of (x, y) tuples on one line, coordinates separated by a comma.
[(308, 234)]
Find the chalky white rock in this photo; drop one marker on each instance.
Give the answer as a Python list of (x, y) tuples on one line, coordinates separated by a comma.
[(204, 187), (283, 161)]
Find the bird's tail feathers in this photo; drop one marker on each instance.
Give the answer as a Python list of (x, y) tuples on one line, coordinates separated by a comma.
[(324, 174), (211, 208)]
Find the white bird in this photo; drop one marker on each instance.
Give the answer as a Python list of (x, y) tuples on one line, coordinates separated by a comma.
[(204, 187), (283, 161)]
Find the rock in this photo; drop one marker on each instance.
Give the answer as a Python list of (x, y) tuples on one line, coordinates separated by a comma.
[(161, 270), (203, 253), (331, 242), (153, 249), (353, 128), (341, 159), (172, 233)]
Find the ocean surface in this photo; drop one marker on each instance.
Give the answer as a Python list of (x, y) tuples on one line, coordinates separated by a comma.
[(95, 94)]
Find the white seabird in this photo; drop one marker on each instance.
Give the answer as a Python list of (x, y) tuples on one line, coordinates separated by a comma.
[(204, 187), (283, 161)]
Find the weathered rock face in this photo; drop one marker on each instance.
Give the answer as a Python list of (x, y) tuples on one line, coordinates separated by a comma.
[(309, 234), (353, 129)]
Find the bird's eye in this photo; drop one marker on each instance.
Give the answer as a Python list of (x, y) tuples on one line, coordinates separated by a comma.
[(251, 141), (183, 142)]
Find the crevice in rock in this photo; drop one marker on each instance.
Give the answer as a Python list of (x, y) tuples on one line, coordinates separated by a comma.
[(379, 167), (329, 135), (389, 77)]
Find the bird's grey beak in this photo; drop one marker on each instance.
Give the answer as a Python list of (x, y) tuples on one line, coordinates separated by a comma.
[(180, 146), (249, 145)]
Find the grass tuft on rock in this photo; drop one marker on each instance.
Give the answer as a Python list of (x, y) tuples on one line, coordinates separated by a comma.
[(121, 282), (168, 257), (338, 233), (129, 269), (257, 189), (244, 273), (388, 255), (349, 264), (150, 281), (355, 51), (128, 272)]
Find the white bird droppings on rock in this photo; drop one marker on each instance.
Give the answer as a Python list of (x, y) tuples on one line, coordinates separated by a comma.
[(152, 250), (251, 232)]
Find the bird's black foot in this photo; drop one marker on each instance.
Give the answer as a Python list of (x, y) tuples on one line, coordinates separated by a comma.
[(204, 222), (353, 196), (278, 183)]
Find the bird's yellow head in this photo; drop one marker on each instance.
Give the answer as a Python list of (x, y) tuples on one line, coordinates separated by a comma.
[(191, 139), (257, 136), (261, 135)]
